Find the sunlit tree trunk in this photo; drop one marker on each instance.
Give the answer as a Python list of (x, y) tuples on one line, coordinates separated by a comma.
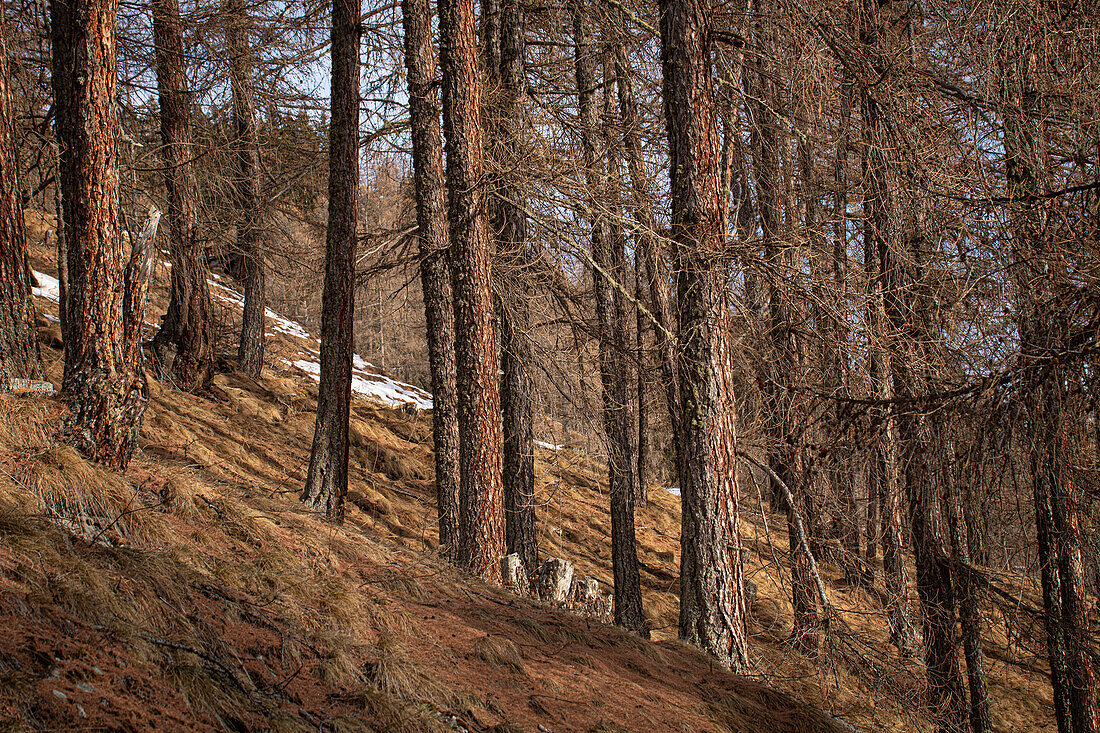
[(481, 505), (712, 604), (104, 381)]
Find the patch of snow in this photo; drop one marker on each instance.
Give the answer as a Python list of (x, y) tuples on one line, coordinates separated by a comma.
[(48, 287), (548, 446), (285, 325), (674, 490), (381, 388)]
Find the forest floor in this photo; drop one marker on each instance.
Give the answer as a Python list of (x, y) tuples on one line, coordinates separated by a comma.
[(193, 592)]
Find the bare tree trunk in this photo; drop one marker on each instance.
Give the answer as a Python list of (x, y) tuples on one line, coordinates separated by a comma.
[(435, 269), (646, 241), (521, 527), (20, 357), (104, 382), (970, 617), (327, 480), (905, 315), (184, 345), (641, 479), (883, 475), (712, 602), (607, 271), (1043, 328), (776, 364), (250, 351), (481, 505)]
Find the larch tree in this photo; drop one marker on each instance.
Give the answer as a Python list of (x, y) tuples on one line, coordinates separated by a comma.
[(104, 382), (247, 188), (1044, 328), (481, 505), (893, 231), (712, 601), (19, 352), (184, 346), (327, 480), (513, 252), (608, 272), (435, 268)]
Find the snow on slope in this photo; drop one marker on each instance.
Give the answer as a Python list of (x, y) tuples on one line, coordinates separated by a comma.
[(48, 287), (366, 381)]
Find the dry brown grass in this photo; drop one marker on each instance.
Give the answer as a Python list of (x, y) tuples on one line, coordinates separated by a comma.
[(202, 544), (500, 652)]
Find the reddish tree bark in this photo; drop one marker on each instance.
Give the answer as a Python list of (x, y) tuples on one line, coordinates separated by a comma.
[(20, 357), (712, 604), (104, 381), (481, 506)]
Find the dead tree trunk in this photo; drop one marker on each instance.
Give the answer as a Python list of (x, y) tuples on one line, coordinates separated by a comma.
[(435, 269), (481, 506), (607, 272), (712, 603), (104, 380), (184, 345), (20, 357), (641, 479), (327, 480), (249, 197), (520, 523)]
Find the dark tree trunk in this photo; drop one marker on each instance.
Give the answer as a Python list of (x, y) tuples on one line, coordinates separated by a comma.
[(882, 475), (20, 357), (776, 366), (607, 271), (481, 505), (104, 380), (641, 479), (967, 595), (327, 480), (184, 346), (249, 199), (435, 269), (646, 243), (1043, 328), (905, 315), (712, 603), (521, 528)]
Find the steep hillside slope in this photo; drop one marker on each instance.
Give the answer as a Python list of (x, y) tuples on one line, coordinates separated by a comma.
[(194, 593)]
